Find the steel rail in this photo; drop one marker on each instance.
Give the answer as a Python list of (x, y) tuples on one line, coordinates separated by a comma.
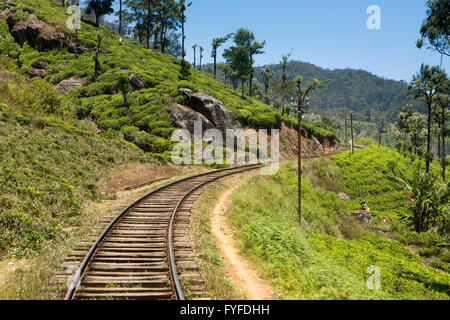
[(173, 268), (78, 275)]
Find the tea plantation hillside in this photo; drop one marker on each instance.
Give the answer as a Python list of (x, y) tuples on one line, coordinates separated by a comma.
[(144, 119)]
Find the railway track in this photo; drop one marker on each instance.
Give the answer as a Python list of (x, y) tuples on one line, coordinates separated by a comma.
[(145, 252)]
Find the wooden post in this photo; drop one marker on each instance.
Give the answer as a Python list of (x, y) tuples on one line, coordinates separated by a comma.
[(346, 126), (380, 132), (443, 155), (351, 128), (299, 115)]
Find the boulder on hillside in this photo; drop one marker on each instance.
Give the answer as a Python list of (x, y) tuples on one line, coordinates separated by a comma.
[(41, 35), (137, 83), (33, 31), (39, 65), (7, 15), (212, 109), (362, 216), (343, 196), (72, 47), (37, 73), (5, 75), (71, 83), (184, 117), (19, 32)]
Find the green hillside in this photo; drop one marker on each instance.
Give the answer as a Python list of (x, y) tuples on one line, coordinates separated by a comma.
[(348, 90), (145, 120)]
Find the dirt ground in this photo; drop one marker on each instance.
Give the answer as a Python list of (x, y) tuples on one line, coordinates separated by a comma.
[(240, 271)]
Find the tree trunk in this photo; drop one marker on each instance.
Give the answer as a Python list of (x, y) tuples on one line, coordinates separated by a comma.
[(161, 39), (97, 20), (242, 81), (215, 65), (428, 138), (149, 12), (182, 36), (250, 84), (299, 149), (97, 64), (120, 17), (439, 145), (443, 143)]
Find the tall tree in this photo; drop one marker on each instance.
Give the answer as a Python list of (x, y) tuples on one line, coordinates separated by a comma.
[(425, 85), (418, 134), (201, 57), (255, 48), (137, 16), (436, 27), (403, 120), (120, 17), (168, 18), (441, 104), (195, 55), (216, 43), (183, 7), (267, 74), (149, 21), (238, 56), (99, 8)]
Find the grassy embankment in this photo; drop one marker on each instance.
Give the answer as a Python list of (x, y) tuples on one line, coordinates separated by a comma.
[(330, 256)]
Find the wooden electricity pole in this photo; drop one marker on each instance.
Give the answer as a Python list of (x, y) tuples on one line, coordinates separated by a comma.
[(380, 132), (351, 126), (346, 126), (299, 114)]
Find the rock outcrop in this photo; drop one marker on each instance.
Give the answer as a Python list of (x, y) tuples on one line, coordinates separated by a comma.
[(206, 108), (72, 83), (33, 31), (5, 75), (184, 117), (137, 83), (362, 216), (37, 73)]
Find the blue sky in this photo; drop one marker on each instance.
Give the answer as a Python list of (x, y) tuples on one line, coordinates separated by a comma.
[(328, 33)]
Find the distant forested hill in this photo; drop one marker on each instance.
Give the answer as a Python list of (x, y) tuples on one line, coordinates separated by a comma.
[(357, 90)]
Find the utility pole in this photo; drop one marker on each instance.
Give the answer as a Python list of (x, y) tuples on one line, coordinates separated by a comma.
[(351, 126), (302, 104), (380, 132), (346, 135)]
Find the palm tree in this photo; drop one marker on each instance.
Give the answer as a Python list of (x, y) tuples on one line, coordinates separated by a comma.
[(195, 52)]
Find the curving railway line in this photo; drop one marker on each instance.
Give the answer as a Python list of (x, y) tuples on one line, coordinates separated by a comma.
[(145, 253)]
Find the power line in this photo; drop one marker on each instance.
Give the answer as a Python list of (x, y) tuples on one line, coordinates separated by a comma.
[(408, 63)]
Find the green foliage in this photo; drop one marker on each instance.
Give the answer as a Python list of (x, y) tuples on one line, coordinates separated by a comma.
[(435, 28), (430, 197), (317, 263), (48, 169), (185, 71)]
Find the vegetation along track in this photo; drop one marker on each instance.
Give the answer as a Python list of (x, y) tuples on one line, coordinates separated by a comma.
[(145, 253)]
